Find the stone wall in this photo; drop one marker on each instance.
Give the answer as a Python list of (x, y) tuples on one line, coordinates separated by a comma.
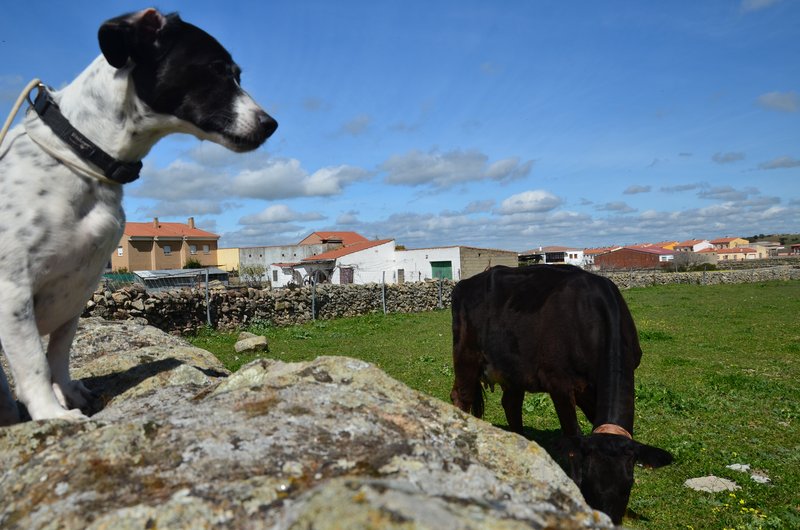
[(184, 311), (626, 280)]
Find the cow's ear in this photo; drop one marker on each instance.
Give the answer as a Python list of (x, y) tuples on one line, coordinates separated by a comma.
[(650, 456), (130, 36)]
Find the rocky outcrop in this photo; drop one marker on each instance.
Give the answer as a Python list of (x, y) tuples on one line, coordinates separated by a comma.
[(333, 443)]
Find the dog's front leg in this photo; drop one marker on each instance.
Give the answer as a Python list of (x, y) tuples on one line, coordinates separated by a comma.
[(69, 393), (23, 348)]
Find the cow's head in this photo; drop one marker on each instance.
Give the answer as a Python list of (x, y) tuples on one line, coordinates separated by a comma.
[(602, 467)]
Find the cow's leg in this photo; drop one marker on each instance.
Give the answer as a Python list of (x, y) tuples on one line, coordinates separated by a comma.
[(565, 408), (512, 404), (467, 393), (586, 401)]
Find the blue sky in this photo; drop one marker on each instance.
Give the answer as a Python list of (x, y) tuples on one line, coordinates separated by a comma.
[(508, 124)]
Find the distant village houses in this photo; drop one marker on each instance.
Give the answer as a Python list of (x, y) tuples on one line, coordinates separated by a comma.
[(342, 257)]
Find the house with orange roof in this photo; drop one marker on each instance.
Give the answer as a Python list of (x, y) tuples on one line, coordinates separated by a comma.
[(635, 257), (693, 245), (360, 262), (159, 245), (729, 242), (341, 238), (381, 261), (736, 254), (669, 245)]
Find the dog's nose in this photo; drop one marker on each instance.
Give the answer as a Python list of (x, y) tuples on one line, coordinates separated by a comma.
[(267, 124)]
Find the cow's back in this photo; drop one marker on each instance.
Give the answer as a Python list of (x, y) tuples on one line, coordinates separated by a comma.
[(542, 326)]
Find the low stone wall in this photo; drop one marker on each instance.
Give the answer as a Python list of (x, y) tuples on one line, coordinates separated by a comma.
[(626, 280), (184, 311)]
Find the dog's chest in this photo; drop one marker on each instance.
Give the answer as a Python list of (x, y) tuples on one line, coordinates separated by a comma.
[(57, 231)]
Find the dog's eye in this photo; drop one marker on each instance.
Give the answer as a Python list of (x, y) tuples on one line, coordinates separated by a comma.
[(225, 69)]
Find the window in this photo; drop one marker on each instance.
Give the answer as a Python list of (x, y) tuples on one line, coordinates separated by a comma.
[(192, 249), (206, 249), (167, 250), (119, 251), (274, 275)]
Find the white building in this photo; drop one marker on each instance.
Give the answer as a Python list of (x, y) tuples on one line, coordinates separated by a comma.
[(380, 261), (362, 262), (556, 255)]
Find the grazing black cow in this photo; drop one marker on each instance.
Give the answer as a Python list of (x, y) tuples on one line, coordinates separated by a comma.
[(567, 332)]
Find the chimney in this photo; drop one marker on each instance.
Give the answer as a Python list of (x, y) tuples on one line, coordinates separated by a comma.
[(155, 222), (191, 222)]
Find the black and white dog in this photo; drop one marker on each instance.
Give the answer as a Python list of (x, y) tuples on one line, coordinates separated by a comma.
[(61, 214)]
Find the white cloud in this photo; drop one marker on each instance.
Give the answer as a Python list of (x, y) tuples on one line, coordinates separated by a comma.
[(757, 5), (357, 125), (635, 189), (727, 158), (186, 208), (726, 193), (534, 201), (783, 162), (780, 101), (285, 178), (615, 206), (683, 187), (348, 219), (444, 170), (279, 214), (211, 171)]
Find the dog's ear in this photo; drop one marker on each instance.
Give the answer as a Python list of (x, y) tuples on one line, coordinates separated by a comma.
[(131, 36)]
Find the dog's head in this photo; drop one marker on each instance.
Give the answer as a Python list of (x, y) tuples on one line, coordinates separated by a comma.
[(180, 70)]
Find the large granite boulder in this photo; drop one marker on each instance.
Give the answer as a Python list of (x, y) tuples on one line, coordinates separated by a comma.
[(333, 443)]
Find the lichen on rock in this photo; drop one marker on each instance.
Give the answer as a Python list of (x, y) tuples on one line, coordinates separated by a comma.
[(331, 443)]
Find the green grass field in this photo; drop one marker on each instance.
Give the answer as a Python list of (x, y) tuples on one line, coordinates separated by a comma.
[(718, 385)]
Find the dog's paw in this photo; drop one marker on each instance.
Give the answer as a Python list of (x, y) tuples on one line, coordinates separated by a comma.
[(73, 394), (57, 413)]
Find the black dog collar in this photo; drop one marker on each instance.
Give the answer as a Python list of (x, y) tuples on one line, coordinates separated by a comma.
[(116, 170)]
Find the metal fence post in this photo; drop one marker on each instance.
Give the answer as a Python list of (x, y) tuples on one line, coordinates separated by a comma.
[(383, 291), (208, 305), (314, 296)]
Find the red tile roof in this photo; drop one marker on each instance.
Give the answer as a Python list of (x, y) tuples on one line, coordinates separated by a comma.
[(347, 238), (349, 249), (652, 250), (600, 250), (166, 230), (721, 240)]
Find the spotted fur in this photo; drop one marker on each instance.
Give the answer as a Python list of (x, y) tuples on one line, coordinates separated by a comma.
[(59, 226)]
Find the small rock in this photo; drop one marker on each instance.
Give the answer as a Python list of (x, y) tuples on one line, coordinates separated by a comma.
[(744, 468), (711, 484), (755, 475), (252, 344)]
